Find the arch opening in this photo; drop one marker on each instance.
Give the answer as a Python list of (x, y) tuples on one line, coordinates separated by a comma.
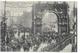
[(49, 22)]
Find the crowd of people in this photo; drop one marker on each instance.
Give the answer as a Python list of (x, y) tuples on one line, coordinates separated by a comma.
[(29, 43)]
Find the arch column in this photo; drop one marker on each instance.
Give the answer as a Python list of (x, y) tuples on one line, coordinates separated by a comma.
[(73, 44)]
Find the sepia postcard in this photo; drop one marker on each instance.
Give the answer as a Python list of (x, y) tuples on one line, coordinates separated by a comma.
[(38, 26)]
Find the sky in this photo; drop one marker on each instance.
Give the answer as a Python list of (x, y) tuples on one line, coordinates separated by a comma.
[(17, 9)]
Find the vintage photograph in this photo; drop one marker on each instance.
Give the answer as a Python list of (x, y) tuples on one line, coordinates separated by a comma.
[(38, 26)]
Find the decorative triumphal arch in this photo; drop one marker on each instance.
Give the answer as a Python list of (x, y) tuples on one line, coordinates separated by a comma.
[(59, 9)]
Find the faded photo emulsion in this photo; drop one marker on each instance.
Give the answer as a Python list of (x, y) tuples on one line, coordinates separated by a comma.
[(38, 26)]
